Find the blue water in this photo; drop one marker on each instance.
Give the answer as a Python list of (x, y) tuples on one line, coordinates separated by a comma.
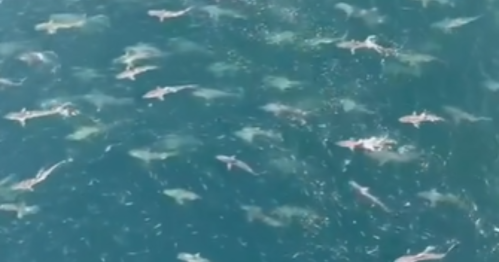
[(106, 206)]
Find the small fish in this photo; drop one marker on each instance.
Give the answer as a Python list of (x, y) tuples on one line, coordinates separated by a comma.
[(101, 100), (435, 197), (416, 119), (23, 115), (413, 59), (364, 191), (459, 115), (180, 195), (350, 144), (130, 58), (160, 92), (187, 257), (5, 82), (349, 105), (348, 9), (368, 43), (425, 255), (249, 134), (165, 14), (232, 161), (130, 73), (376, 143), (368, 144), (387, 156), (40, 57), (426, 3), (285, 111), (447, 25), (51, 27), (28, 184), (21, 209), (148, 156)]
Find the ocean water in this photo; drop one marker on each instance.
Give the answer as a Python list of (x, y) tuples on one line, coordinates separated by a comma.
[(106, 205)]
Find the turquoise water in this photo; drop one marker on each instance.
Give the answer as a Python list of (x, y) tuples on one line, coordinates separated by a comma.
[(107, 206)]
